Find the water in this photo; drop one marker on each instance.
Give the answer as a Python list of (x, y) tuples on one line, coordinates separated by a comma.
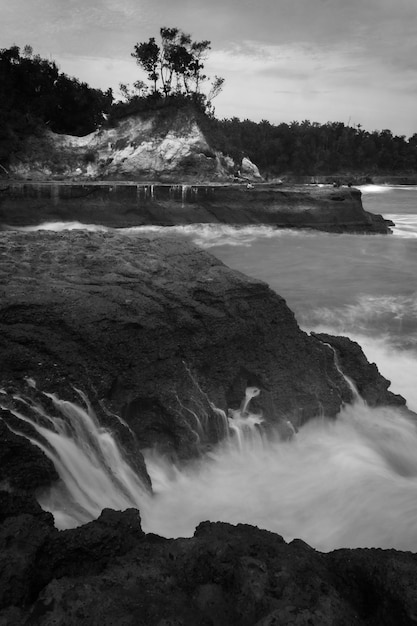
[(347, 483)]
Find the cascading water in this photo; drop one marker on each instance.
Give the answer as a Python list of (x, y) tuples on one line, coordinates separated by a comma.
[(330, 484), (92, 467)]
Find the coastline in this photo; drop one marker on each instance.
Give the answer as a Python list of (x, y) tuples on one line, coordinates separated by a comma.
[(120, 204)]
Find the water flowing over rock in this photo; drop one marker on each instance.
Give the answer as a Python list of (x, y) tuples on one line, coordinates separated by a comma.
[(157, 332), (169, 344)]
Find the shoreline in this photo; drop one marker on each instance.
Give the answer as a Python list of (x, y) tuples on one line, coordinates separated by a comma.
[(126, 204)]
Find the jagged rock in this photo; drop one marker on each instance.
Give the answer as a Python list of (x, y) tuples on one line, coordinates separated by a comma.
[(15, 504), (223, 576), (23, 466), (372, 387), (158, 331)]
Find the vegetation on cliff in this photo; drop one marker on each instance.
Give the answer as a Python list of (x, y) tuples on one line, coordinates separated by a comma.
[(35, 95), (38, 95)]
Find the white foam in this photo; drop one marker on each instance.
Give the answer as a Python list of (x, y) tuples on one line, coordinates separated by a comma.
[(60, 226)]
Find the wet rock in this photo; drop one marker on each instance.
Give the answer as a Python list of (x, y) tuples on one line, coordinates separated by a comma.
[(159, 332), (131, 204), (372, 387), (23, 466)]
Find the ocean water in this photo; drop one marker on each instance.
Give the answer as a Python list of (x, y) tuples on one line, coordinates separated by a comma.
[(345, 483)]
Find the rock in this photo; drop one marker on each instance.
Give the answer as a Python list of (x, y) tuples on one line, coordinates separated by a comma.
[(158, 330), (249, 169), (20, 540), (372, 387), (23, 466), (131, 204), (167, 146), (14, 504), (224, 576)]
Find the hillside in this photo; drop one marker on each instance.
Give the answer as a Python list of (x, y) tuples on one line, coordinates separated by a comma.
[(164, 146)]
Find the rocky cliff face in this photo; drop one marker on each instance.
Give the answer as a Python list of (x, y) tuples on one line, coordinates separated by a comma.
[(129, 204), (158, 332), (165, 335), (169, 147), (109, 572)]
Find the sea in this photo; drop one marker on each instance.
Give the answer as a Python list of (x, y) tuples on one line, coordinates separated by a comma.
[(349, 482)]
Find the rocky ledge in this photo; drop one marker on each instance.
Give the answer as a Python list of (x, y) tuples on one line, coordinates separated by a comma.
[(158, 332), (121, 204), (109, 572)]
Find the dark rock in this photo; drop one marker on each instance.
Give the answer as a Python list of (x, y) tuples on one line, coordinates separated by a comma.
[(224, 576), (129, 204), (20, 541), (23, 465), (372, 387), (90, 548), (160, 332), (14, 504)]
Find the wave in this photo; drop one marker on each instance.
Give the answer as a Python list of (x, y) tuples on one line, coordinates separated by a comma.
[(204, 235), (350, 482), (345, 483), (59, 227), (369, 189), (395, 315), (405, 225)]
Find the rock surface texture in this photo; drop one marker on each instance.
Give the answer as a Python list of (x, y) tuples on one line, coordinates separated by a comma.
[(157, 331), (109, 572), (130, 204)]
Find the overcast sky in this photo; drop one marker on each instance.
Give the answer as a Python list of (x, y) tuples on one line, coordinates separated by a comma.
[(353, 61)]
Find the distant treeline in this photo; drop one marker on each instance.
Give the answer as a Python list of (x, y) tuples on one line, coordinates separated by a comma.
[(312, 148), (35, 95)]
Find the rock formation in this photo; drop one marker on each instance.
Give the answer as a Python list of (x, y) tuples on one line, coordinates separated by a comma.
[(157, 331), (168, 145), (109, 572), (129, 204), (160, 332)]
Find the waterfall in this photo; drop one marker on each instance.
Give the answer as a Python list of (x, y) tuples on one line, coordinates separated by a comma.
[(91, 464)]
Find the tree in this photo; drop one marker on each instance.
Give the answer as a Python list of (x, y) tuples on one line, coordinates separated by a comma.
[(35, 94), (148, 56), (177, 65)]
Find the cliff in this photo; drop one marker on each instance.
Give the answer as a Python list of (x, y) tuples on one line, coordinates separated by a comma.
[(121, 204), (109, 572), (157, 331), (164, 146)]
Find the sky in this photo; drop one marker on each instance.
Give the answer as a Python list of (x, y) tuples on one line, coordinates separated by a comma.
[(353, 61)]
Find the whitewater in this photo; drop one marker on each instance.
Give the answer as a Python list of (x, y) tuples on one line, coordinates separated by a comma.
[(349, 482)]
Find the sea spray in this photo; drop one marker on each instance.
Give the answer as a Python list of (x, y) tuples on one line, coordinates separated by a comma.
[(337, 483), (93, 469)]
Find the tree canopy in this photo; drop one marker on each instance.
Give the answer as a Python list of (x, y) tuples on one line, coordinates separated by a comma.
[(175, 66), (36, 94)]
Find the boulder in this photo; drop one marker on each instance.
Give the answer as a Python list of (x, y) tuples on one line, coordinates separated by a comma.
[(157, 331)]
